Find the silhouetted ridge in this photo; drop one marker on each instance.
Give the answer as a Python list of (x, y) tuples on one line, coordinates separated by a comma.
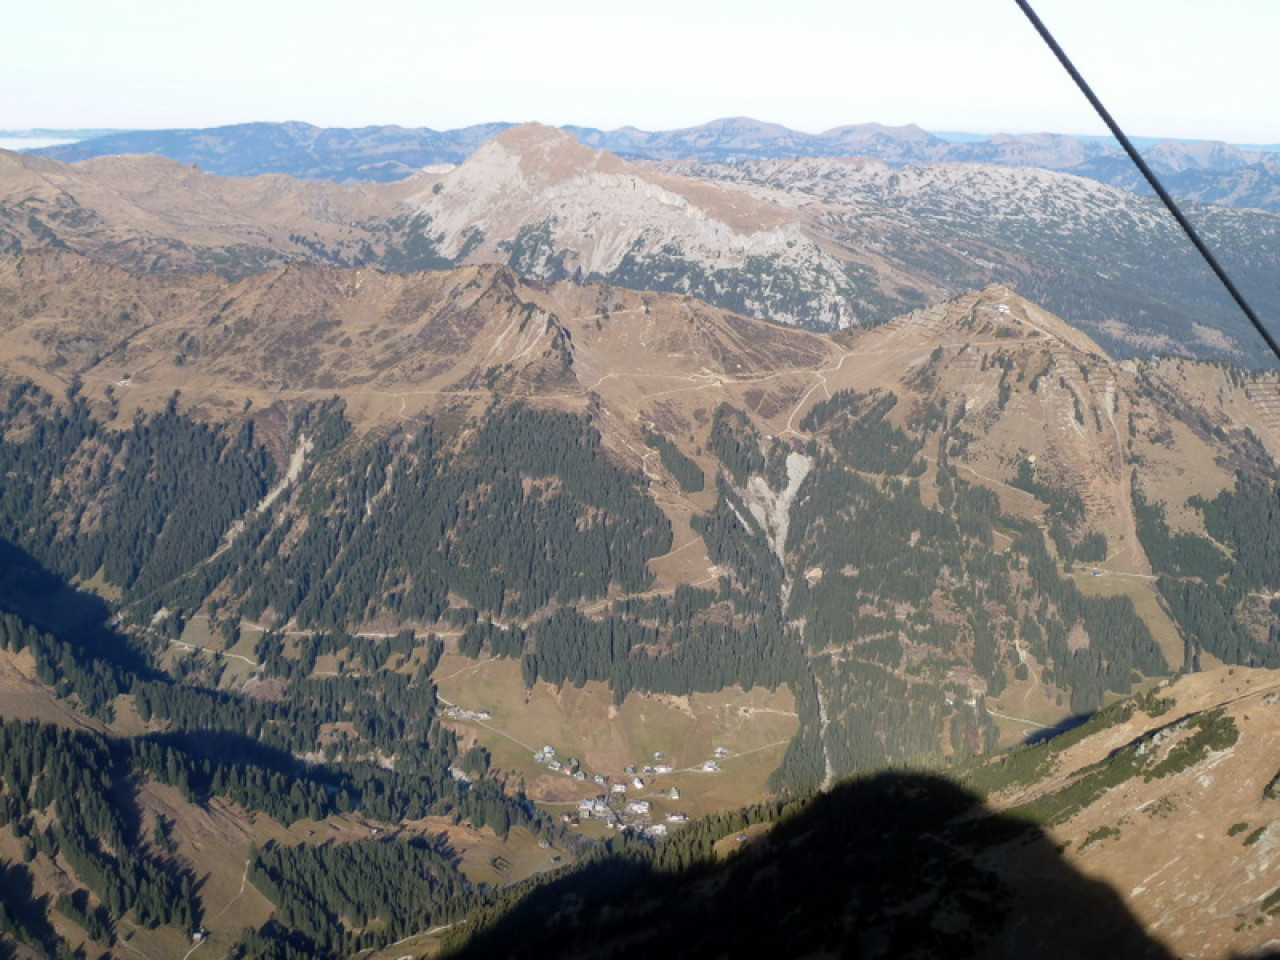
[(892, 866)]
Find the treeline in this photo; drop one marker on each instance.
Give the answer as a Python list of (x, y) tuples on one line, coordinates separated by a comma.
[(687, 473), (736, 541), (569, 647), (350, 897), (529, 512), (23, 919), (1208, 593), (1066, 514), (857, 425), (1120, 647), (736, 442), (1064, 504), (1209, 616), (142, 504), (79, 778), (1248, 519), (1177, 555)]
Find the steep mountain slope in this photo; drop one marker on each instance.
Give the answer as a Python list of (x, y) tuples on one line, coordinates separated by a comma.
[(822, 243), (1070, 854), (1193, 760), (982, 426), (1112, 262), (317, 495), (550, 207), (817, 243), (310, 329)]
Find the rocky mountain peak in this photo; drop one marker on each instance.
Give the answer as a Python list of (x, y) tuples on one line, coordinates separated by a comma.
[(544, 154)]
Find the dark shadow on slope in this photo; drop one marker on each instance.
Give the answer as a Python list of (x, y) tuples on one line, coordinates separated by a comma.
[(227, 748), (23, 915), (221, 762), (891, 866), (1062, 726), (74, 616)]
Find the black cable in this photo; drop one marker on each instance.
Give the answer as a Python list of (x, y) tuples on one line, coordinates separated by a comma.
[(1146, 171)]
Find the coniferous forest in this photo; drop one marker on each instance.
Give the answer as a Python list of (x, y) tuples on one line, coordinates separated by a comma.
[(898, 598)]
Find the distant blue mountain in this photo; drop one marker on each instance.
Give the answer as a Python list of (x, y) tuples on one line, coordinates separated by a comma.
[(1199, 170), (362, 154)]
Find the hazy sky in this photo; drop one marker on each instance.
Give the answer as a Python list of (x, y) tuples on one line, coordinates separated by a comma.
[(1183, 68)]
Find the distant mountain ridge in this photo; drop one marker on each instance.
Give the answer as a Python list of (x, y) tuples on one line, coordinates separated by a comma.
[(820, 242), (1208, 171), (365, 154)]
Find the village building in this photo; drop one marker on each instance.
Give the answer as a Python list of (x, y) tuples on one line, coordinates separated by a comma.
[(595, 808)]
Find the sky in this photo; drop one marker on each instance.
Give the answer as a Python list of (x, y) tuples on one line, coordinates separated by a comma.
[(1190, 69)]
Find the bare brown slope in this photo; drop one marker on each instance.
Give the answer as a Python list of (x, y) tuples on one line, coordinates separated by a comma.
[(1014, 381), (1170, 852), (1023, 381), (1018, 384), (822, 243), (422, 339), (150, 213), (1191, 845)]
